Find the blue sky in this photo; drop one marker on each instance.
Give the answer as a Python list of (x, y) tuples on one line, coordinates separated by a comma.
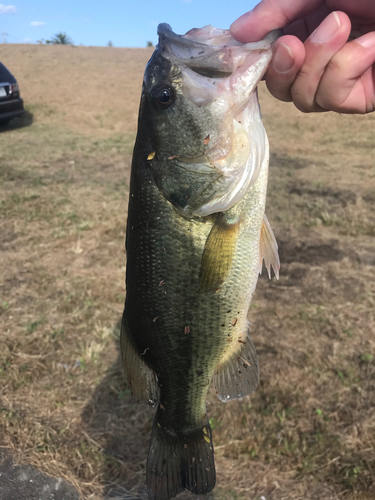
[(126, 23)]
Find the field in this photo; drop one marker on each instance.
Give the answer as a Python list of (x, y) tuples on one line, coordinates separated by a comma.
[(308, 432)]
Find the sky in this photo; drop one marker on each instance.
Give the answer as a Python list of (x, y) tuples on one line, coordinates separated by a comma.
[(125, 23)]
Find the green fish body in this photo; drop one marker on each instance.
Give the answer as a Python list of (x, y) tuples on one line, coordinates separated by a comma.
[(196, 237)]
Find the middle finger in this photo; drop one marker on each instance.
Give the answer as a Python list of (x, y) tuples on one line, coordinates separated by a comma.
[(321, 46)]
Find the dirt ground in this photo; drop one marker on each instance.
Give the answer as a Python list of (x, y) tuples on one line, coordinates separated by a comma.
[(308, 432)]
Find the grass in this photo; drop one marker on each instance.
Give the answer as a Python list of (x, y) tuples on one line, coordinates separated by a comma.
[(308, 431)]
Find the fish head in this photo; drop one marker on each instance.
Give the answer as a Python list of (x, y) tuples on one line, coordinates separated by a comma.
[(170, 118), (200, 111)]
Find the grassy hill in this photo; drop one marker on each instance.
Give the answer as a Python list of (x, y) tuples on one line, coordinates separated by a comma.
[(308, 432)]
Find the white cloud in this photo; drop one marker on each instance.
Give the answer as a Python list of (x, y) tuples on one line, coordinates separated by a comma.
[(26, 40), (37, 23), (7, 9)]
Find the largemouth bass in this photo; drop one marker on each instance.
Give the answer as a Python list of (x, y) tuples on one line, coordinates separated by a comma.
[(196, 239)]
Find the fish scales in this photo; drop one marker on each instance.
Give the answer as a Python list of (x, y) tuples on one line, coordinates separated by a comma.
[(167, 285), (192, 267)]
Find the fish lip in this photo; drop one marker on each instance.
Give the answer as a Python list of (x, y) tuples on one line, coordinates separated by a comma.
[(168, 36), (194, 54)]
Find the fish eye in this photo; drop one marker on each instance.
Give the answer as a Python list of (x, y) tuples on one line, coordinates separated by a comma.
[(163, 97)]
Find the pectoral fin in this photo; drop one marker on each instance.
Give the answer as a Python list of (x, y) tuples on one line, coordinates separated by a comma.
[(237, 374), (218, 252), (268, 249), (140, 377)]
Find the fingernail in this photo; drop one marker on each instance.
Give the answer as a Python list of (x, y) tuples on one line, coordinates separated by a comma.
[(367, 41), (327, 29), (238, 23), (283, 59)]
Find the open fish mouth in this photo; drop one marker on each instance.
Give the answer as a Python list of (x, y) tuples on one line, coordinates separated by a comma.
[(212, 62), (209, 51), (198, 53), (220, 75)]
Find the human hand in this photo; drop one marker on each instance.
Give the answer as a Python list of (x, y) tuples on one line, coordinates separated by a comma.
[(317, 64)]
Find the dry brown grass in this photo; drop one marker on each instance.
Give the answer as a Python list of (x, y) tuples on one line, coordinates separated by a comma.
[(308, 432), (92, 90)]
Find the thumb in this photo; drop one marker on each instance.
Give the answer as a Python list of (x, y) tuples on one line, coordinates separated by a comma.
[(269, 15)]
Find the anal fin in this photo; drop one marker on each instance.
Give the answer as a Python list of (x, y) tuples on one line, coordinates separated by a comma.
[(140, 377), (218, 252), (268, 249), (238, 375)]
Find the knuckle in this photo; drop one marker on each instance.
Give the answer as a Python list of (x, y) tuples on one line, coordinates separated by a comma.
[(337, 64), (301, 106), (303, 95), (326, 100), (279, 88), (304, 90)]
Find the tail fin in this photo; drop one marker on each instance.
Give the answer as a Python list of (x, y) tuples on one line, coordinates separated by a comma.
[(178, 462)]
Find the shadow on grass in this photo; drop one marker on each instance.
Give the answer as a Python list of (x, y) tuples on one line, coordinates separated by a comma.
[(22, 121), (121, 427)]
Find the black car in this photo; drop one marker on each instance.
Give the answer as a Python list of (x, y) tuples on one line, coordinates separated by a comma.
[(11, 104)]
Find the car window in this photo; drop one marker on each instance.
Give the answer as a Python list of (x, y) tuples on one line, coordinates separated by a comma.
[(5, 75)]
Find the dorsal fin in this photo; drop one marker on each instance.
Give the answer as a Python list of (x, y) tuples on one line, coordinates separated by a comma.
[(218, 252), (268, 249)]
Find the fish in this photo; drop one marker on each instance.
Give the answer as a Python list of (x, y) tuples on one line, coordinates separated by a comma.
[(196, 239)]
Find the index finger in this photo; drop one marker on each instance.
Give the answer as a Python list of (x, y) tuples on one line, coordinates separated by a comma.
[(269, 15)]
